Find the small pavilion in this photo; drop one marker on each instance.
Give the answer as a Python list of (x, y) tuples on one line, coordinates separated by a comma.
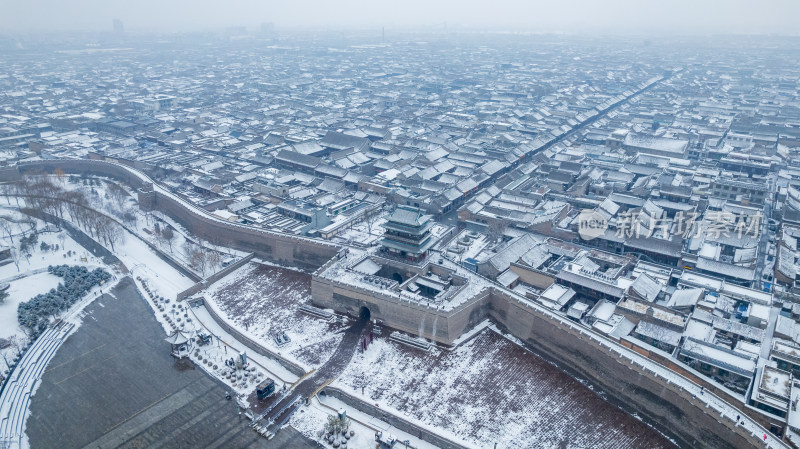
[(181, 343)]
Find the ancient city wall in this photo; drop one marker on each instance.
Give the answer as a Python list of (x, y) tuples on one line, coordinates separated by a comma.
[(665, 359), (301, 252), (673, 410), (428, 321), (82, 166), (277, 248), (203, 283)]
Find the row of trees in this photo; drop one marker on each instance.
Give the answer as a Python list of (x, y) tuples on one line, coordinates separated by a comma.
[(48, 194), (42, 194), (36, 313)]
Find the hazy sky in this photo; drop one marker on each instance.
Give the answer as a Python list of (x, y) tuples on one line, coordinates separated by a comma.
[(572, 16)]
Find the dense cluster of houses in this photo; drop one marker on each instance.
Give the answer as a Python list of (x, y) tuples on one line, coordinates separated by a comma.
[(687, 173)]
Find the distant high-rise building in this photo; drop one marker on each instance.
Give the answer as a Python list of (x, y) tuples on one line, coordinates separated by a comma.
[(118, 26), (267, 28)]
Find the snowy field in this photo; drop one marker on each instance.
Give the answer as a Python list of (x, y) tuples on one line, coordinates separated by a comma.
[(264, 301), (31, 278), (22, 290), (489, 390)]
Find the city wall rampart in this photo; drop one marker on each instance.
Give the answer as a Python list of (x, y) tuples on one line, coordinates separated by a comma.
[(302, 252), (636, 383)]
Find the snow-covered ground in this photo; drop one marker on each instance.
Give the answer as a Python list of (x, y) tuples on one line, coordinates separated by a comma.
[(42, 259), (31, 278), (361, 233), (310, 421), (215, 352), (124, 208), (162, 279), (25, 379), (21, 290), (487, 391), (264, 300)]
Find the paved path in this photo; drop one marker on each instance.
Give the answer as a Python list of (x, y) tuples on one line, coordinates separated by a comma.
[(279, 412), (22, 383)]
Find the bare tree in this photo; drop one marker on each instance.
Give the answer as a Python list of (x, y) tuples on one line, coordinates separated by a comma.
[(496, 228), (90, 221), (659, 334), (42, 194), (15, 189), (147, 214), (15, 255), (168, 236), (371, 217), (129, 217), (187, 249), (60, 175), (158, 234), (114, 234), (6, 224), (17, 342), (214, 259), (6, 189), (74, 203), (31, 222), (106, 229), (118, 195), (199, 260), (195, 256)]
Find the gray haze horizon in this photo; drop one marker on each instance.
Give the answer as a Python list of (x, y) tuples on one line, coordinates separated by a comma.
[(677, 17)]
